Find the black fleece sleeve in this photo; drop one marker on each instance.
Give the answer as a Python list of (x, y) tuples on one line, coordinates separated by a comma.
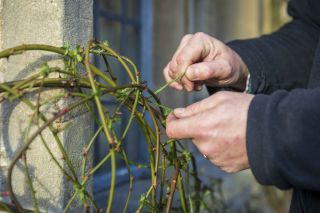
[(283, 60), (283, 138)]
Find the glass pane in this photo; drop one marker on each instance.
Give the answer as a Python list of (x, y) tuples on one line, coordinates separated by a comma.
[(133, 48), (133, 8), (111, 31), (111, 5)]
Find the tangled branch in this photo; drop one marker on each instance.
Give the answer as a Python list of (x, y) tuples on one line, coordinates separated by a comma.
[(88, 88)]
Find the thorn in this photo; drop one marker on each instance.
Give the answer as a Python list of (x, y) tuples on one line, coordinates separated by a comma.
[(85, 178), (65, 110)]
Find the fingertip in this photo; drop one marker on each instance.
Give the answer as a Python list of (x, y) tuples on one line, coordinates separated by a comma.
[(188, 85), (171, 117), (176, 86), (178, 111), (191, 74), (173, 66)]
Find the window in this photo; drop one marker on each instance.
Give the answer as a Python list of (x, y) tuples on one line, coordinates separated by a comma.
[(127, 26)]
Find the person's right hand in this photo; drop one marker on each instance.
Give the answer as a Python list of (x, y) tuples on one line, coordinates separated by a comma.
[(205, 60)]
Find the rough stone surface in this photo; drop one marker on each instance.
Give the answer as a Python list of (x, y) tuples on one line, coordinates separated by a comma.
[(51, 22)]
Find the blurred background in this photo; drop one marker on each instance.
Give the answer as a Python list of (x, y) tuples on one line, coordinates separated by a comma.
[(148, 32)]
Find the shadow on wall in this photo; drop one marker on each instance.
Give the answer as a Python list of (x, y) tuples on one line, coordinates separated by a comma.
[(48, 179)]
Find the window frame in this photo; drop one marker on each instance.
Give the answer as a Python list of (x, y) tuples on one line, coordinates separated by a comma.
[(101, 182)]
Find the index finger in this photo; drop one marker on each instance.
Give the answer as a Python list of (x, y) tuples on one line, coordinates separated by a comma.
[(170, 70), (194, 51)]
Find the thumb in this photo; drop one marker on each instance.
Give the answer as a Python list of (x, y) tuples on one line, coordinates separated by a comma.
[(195, 108), (217, 69)]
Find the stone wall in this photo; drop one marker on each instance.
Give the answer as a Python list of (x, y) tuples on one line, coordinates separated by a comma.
[(51, 22)]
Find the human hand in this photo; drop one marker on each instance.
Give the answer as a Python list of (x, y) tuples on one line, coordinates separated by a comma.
[(217, 126), (205, 60)]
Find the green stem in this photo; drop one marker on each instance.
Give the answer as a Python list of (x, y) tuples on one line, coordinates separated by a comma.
[(86, 150), (182, 195), (172, 189), (65, 210), (105, 127), (178, 78), (25, 147), (130, 180), (120, 59), (131, 116), (29, 181), (27, 47), (94, 169)]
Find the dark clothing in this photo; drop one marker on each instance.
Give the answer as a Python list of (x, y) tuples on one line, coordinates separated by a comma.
[(283, 129)]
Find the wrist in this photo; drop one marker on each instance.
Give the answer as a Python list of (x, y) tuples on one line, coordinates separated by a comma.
[(242, 73)]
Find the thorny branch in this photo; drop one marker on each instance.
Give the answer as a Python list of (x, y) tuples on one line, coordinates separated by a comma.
[(88, 89)]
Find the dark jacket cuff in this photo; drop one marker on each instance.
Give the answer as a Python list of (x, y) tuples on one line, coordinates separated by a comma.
[(252, 57), (261, 152)]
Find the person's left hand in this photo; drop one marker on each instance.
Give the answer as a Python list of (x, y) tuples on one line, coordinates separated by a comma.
[(217, 126)]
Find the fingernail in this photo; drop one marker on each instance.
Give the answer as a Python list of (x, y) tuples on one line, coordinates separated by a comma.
[(199, 87), (191, 75), (179, 87), (179, 110)]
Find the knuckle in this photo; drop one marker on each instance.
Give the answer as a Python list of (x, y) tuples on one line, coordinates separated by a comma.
[(206, 72), (191, 109), (173, 66), (171, 73), (186, 37), (226, 67), (202, 133), (220, 96), (200, 35), (182, 58)]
